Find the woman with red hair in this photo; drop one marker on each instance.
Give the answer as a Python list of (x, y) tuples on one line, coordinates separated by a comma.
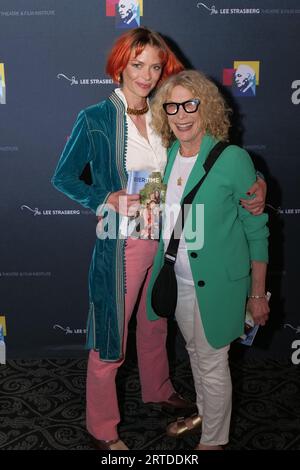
[(114, 137)]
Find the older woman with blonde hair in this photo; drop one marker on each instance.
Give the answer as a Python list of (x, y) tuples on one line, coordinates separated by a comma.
[(214, 278)]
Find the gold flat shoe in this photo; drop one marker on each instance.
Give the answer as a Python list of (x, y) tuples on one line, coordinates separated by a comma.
[(116, 444), (183, 426)]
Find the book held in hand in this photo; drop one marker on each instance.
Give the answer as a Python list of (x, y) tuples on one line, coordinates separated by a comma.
[(250, 328), (146, 223)]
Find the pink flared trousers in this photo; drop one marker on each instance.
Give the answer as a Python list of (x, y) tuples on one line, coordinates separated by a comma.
[(102, 410)]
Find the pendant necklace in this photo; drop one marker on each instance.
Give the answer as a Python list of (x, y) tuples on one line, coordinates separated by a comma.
[(180, 179)]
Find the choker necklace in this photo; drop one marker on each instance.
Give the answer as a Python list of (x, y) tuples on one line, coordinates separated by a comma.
[(138, 112)]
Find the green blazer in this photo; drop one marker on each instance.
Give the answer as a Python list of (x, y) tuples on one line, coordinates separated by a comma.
[(232, 238)]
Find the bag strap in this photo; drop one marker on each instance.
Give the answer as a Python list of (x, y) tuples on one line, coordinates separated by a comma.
[(171, 252)]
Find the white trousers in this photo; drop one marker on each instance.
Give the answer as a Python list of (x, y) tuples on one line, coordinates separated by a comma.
[(210, 369)]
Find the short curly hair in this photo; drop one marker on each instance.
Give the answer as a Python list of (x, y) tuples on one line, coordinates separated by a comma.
[(213, 110)]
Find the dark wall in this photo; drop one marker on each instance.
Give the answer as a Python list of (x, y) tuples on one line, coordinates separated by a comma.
[(53, 54)]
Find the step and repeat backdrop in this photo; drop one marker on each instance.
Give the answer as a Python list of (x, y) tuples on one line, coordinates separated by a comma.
[(52, 64)]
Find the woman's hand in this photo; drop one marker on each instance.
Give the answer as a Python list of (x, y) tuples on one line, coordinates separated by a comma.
[(125, 204), (256, 205), (259, 309)]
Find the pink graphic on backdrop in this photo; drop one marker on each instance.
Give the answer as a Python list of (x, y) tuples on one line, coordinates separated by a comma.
[(111, 7), (228, 76)]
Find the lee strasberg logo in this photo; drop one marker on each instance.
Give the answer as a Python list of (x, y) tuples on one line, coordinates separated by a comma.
[(243, 77), (127, 13), (289, 211), (205, 7), (50, 212), (227, 11), (69, 331), (296, 94), (84, 81), (2, 85), (295, 328)]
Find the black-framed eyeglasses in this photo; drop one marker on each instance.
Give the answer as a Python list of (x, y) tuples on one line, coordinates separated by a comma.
[(190, 106)]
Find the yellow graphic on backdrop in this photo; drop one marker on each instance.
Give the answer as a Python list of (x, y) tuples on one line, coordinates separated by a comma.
[(3, 324), (2, 85), (254, 64)]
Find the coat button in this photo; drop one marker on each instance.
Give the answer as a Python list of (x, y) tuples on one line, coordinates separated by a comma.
[(201, 283), (194, 255)]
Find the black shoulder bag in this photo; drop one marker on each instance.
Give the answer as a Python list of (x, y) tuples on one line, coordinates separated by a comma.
[(164, 291)]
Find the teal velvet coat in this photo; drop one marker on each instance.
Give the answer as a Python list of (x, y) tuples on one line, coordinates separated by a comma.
[(99, 137), (232, 238)]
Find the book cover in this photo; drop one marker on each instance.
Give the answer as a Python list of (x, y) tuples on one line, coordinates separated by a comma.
[(250, 328), (146, 223)]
